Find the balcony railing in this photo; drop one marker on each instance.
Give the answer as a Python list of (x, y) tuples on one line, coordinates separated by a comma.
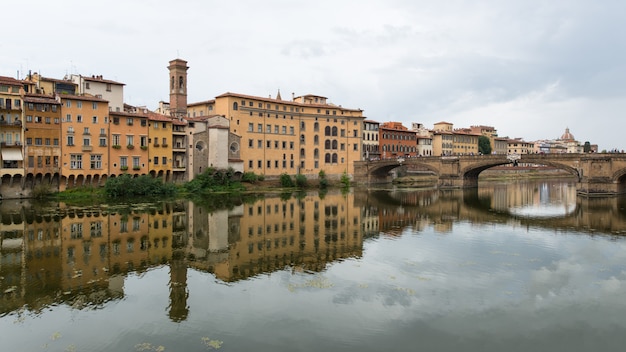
[(11, 123)]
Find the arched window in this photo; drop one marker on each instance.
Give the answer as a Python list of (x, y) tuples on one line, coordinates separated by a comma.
[(180, 82), (327, 131), (316, 140), (327, 158), (235, 106), (316, 153), (334, 158), (302, 152), (172, 83), (334, 144), (334, 131), (302, 139), (316, 127), (327, 144)]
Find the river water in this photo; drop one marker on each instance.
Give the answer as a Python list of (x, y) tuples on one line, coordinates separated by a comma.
[(517, 266)]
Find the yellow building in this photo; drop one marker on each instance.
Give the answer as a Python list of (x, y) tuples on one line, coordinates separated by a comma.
[(180, 151), (443, 139), (465, 142), (491, 133), (519, 146), (84, 149), (160, 145), (129, 147), (449, 141), (42, 135), (301, 136), (11, 129)]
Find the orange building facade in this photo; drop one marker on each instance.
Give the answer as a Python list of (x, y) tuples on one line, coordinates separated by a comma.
[(84, 149), (396, 140), (42, 133)]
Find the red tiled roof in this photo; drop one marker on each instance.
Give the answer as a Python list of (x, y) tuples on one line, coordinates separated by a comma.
[(128, 114), (271, 100), (202, 102), (82, 97), (153, 116), (100, 79), (11, 81), (40, 98)]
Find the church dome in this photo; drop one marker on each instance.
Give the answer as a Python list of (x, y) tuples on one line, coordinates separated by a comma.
[(567, 136)]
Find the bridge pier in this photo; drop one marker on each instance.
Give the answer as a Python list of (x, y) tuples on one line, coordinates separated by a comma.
[(454, 181), (599, 187)]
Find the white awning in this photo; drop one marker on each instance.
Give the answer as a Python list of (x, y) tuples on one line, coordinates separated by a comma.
[(12, 154)]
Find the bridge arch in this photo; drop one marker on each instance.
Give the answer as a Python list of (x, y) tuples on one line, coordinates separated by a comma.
[(472, 171), (596, 174)]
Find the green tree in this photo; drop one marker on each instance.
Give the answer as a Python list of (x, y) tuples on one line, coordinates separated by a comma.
[(484, 145), (285, 180)]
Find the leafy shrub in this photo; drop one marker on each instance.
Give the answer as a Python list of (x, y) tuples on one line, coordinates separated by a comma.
[(249, 177), (286, 181), (323, 181), (41, 191), (345, 179), (126, 186), (212, 180), (301, 180)]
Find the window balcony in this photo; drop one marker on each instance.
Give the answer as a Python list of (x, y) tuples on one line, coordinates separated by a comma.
[(11, 145)]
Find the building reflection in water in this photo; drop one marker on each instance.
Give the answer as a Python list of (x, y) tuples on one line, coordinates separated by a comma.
[(80, 256)]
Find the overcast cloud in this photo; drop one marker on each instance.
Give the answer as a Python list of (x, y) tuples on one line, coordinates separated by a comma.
[(530, 68)]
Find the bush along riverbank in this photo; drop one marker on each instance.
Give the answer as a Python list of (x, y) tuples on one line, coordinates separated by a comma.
[(210, 183)]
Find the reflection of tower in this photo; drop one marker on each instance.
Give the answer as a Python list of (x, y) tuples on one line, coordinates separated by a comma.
[(178, 309), (178, 87)]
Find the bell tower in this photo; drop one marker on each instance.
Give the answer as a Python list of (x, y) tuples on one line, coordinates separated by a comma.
[(178, 87)]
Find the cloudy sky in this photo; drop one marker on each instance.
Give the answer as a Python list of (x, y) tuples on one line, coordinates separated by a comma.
[(530, 68)]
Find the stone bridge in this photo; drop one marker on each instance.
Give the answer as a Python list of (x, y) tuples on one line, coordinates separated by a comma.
[(596, 174)]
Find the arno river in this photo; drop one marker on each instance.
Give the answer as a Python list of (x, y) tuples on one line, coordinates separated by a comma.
[(519, 266)]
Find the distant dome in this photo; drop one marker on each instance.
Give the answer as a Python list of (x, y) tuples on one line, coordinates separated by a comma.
[(567, 136)]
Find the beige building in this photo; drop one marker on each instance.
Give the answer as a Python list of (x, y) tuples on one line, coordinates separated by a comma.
[(97, 86), (465, 142), (519, 146), (303, 135), (424, 139), (299, 136), (213, 146), (371, 143), (500, 146)]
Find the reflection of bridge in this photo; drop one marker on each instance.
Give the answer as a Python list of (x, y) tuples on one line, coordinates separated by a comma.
[(441, 209), (596, 174)]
